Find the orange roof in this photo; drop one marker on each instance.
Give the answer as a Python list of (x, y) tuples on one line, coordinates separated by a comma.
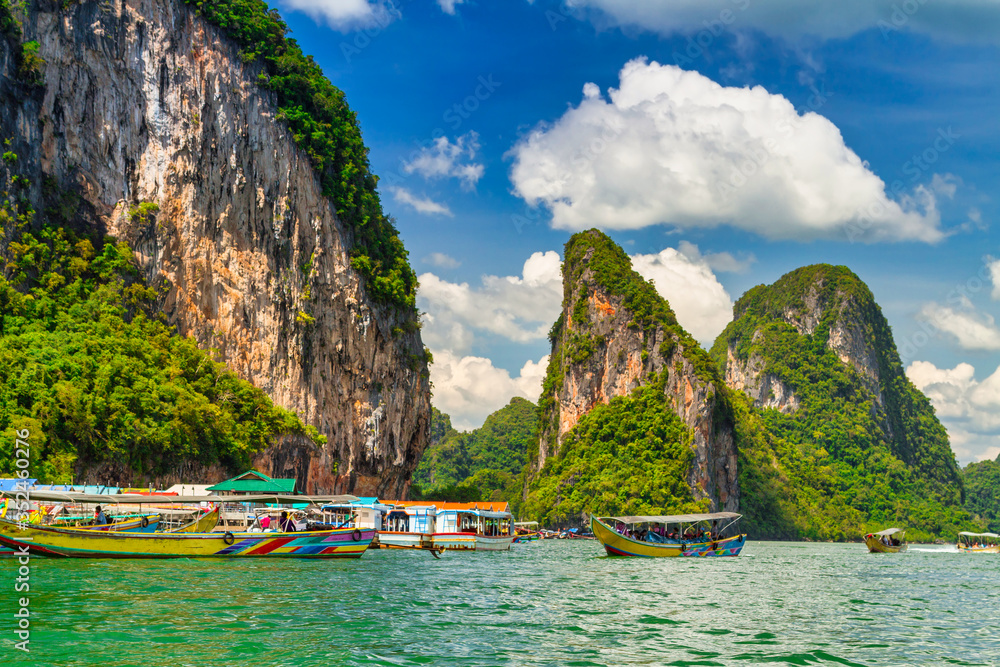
[(441, 505)]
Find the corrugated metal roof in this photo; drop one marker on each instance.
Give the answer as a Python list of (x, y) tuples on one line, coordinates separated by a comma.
[(253, 481), (12, 483)]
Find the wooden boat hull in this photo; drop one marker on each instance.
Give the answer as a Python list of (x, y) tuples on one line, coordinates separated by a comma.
[(494, 542), (403, 540), (616, 544), (471, 542), (876, 546), (979, 550), (340, 543)]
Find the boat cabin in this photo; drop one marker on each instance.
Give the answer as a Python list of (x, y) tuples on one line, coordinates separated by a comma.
[(412, 519)]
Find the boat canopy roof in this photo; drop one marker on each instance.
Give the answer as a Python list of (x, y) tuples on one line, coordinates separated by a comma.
[(676, 518), (889, 531), (979, 534), (142, 499), (525, 523)]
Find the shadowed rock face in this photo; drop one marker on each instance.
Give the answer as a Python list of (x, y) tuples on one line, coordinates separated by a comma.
[(851, 323), (617, 366), (143, 101)]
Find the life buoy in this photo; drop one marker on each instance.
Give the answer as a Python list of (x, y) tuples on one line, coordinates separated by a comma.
[(144, 522), (356, 535), (228, 537)]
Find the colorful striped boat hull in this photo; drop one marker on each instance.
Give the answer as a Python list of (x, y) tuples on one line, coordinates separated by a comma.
[(616, 544), (340, 543)]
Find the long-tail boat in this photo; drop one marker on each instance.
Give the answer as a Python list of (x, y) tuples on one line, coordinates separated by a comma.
[(74, 543), (146, 523), (979, 543), (205, 523), (669, 535), (888, 541)]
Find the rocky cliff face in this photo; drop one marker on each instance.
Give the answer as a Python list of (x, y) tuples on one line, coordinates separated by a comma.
[(850, 442), (830, 302), (145, 103), (603, 349)]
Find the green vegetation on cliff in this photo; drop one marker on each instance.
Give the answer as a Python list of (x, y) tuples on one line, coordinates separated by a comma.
[(94, 378), (982, 492), (852, 456), (611, 271), (482, 464), (630, 456), (324, 127)]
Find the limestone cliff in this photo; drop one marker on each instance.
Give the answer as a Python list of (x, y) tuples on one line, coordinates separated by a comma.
[(834, 436), (832, 307), (616, 335), (142, 102)]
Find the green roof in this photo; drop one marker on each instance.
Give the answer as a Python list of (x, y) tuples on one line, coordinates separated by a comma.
[(254, 482)]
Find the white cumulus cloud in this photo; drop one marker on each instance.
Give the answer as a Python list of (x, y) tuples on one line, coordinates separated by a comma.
[(965, 20), (993, 266), (446, 159), (470, 388), (448, 6), (346, 14), (518, 308), (420, 204), (669, 146), (685, 279), (969, 409), (442, 260), (972, 329)]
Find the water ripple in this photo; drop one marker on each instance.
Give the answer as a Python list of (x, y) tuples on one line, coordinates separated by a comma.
[(544, 603)]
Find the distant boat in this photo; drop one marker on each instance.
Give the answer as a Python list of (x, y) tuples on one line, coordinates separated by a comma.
[(525, 531), (669, 535), (888, 541), (984, 543)]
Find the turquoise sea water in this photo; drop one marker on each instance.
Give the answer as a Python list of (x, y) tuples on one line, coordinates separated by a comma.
[(544, 603)]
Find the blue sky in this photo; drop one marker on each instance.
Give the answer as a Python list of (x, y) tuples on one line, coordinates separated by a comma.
[(721, 142)]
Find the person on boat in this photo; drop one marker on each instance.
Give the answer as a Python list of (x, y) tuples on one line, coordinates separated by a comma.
[(100, 519), (265, 522), (286, 524)]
